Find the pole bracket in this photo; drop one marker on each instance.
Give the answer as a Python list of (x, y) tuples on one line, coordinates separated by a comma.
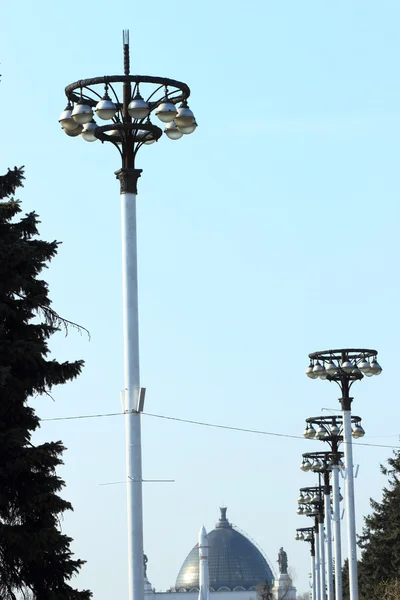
[(138, 401)]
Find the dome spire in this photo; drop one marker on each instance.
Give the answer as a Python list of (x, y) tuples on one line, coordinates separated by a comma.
[(223, 521)]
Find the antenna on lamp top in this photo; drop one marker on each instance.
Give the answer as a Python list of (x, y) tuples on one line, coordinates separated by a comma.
[(125, 38)]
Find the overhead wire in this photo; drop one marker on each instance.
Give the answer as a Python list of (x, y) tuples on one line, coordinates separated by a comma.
[(206, 424)]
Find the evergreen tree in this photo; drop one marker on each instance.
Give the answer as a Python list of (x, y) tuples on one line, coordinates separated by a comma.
[(380, 539), (389, 590), (379, 564), (35, 557)]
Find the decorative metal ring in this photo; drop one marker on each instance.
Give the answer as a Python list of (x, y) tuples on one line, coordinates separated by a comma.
[(321, 455), (99, 132), (330, 420), (138, 79), (351, 353)]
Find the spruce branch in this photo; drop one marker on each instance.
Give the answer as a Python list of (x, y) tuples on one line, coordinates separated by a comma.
[(53, 319)]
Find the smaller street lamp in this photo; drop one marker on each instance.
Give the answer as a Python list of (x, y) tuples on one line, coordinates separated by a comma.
[(307, 534), (312, 505), (346, 366)]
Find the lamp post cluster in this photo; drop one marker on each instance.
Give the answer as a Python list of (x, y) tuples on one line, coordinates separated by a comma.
[(344, 367), (325, 463), (128, 102)]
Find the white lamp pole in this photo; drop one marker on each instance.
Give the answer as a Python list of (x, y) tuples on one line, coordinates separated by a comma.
[(128, 180), (317, 564), (322, 557), (336, 532), (350, 501), (313, 591), (328, 533)]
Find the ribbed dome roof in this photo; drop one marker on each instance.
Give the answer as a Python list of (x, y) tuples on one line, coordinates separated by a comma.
[(233, 561)]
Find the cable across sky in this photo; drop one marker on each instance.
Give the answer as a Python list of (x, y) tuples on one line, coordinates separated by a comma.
[(206, 424)]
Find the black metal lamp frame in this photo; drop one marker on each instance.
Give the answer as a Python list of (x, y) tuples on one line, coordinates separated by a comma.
[(131, 130), (327, 422), (343, 379), (310, 531)]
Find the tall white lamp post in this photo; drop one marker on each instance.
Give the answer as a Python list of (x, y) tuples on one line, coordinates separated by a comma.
[(128, 102)]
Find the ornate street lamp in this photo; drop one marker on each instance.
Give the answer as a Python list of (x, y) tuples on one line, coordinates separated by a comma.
[(128, 102), (329, 429), (307, 534), (344, 367), (311, 504)]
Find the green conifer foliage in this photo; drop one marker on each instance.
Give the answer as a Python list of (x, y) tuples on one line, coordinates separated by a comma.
[(35, 557), (379, 564), (380, 539)]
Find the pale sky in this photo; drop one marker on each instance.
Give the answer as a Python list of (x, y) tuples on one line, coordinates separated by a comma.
[(268, 234)]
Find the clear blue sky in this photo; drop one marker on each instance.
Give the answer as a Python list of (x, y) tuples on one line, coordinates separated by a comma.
[(268, 234)]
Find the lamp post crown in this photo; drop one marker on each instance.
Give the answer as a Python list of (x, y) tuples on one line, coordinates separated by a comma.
[(129, 110), (344, 366)]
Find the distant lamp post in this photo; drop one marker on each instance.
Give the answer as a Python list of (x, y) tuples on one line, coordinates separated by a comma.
[(307, 534), (344, 367), (128, 111), (311, 504)]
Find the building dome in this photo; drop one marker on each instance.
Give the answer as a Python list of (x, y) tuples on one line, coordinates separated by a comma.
[(234, 562)]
